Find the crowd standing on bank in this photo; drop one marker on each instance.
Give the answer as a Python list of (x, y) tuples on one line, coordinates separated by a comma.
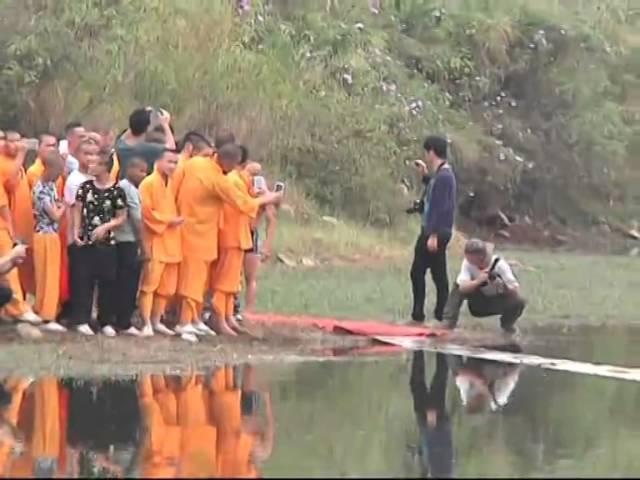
[(135, 222)]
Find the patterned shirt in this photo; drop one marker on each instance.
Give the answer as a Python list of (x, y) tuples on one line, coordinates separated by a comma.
[(44, 194), (99, 206)]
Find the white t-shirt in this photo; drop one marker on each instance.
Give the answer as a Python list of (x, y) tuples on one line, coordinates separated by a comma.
[(72, 162), (504, 276), (502, 388), (74, 180)]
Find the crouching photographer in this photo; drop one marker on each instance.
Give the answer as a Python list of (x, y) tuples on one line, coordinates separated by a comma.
[(488, 284)]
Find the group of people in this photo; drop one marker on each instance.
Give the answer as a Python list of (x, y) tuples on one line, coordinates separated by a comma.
[(136, 222), (486, 281)]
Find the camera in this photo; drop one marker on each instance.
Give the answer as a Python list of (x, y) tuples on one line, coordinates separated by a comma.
[(416, 207)]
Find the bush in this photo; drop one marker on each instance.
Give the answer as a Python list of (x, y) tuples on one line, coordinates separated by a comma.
[(533, 98)]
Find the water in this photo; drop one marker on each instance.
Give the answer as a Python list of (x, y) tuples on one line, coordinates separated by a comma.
[(351, 418)]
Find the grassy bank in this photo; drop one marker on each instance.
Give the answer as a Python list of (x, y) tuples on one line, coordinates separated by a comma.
[(561, 287)]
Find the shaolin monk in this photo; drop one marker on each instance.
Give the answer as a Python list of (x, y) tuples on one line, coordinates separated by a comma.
[(48, 212), (161, 238), (14, 205), (15, 180), (234, 238), (201, 197), (47, 143)]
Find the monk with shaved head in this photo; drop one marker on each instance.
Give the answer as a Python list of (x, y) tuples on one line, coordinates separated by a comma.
[(16, 222)]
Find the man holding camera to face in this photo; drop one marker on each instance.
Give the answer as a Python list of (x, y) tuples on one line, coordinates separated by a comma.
[(487, 282), (437, 210)]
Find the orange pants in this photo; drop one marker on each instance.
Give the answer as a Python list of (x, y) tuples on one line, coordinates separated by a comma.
[(46, 255), (159, 284), (17, 306), (225, 281), (191, 285)]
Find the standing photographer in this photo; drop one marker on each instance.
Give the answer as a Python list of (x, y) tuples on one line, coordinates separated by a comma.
[(438, 211), (489, 285)]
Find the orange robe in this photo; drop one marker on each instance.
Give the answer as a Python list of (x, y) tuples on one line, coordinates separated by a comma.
[(17, 306), (162, 440), (19, 194), (160, 274), (201, 194), (198, 435), (115, 171), (234, 445), (234, 239), (47, 263), (45, 413), (17, 387), (34, 172)]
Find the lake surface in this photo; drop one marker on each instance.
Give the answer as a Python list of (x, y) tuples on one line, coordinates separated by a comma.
[(415, 414)]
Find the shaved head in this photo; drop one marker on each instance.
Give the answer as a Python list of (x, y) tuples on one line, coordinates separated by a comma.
[(195, 143), (229, 157), (224, 137), (52, 159), (53, 165)]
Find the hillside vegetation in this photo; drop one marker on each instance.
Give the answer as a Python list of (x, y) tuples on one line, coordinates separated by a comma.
[(539, 98)]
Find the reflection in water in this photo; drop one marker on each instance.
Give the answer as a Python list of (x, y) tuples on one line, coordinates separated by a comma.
[(485, 384), (156, 426), (482, 384), (434, 425), (339, 419)]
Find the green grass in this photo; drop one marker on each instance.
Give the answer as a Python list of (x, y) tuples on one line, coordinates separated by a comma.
[(562, 287)]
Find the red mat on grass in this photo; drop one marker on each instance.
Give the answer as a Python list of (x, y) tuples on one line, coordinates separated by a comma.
[(361, 328)]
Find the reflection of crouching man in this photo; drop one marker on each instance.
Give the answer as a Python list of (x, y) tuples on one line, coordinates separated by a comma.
[(489, 285)]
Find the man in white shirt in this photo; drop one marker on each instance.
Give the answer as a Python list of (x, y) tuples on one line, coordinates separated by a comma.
[(488, 284), (74, 134), (87, 152)]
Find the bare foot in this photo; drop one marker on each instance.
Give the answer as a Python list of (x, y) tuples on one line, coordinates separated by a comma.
[(223, 328), (233, 323)]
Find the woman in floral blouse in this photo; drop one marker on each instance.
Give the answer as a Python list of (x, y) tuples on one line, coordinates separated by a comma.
[(100, 208)]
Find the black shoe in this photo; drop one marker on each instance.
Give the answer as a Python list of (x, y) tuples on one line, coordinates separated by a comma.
[(511, 332), (418, 317)]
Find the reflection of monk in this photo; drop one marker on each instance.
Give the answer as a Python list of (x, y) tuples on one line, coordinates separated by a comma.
[(242, 439), (485, 384), (40, 413), (199, 436), (161, 441)]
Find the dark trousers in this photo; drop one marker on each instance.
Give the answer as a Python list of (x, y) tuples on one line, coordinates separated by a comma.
[(436, 262), (508, 306), (128, 269), (94, 266)]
